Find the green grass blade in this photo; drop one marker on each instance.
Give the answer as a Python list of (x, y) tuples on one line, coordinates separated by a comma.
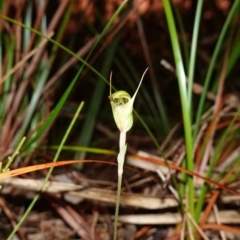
[(7, 84), (27, 22), (235, 53), (182, 34), (83, 149), (194, 50), (184, 100)]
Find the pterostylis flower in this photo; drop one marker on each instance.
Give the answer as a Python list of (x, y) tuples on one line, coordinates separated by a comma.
[(122, 107)]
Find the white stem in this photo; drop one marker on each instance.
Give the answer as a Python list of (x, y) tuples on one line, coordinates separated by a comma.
[(120, 159), (122, 152), (122, 140)]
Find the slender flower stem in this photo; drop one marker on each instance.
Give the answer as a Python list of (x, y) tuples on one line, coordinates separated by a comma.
[(120, 159), (122, 152), (117, 206)]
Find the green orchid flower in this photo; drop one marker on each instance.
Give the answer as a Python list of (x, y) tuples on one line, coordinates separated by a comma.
[(122, 107)]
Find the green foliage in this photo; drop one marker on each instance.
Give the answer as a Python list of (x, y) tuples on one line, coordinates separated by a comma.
[(186, 89)]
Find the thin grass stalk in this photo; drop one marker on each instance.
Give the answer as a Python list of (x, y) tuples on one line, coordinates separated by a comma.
[(14, 154), (184, 101), (7, 86), (235, 53), (185, 48), (27, 21), (83, 149), (6, 98), (193, 52)]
